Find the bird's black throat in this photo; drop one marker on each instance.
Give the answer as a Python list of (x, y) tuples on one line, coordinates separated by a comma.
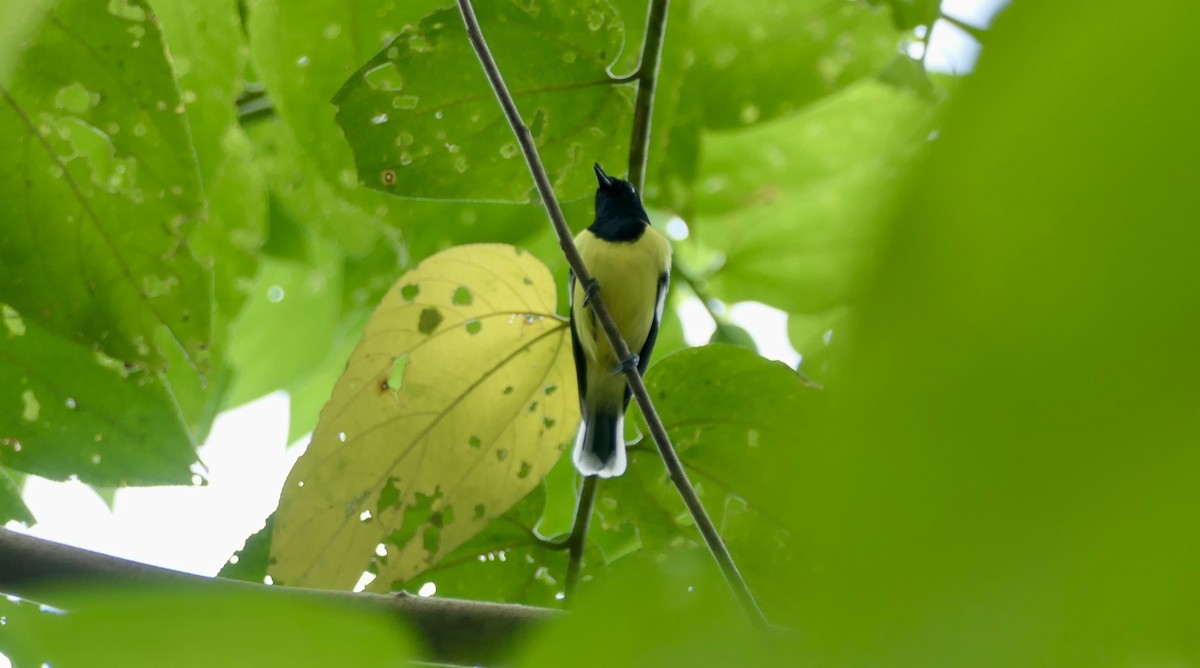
[(618, 228)]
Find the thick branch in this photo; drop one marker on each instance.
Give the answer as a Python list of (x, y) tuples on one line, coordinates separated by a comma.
[(454, 631), (674, 466)]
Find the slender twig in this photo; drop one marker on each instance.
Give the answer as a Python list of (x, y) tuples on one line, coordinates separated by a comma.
[(980, 34), (578, 537), (620, 348), (643, 105)]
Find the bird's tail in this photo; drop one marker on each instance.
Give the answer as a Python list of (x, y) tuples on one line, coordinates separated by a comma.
[(600, 446)]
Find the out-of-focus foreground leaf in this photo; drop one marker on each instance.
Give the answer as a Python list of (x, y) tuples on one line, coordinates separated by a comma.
[(423, 121), (132, 627), (1010, 474), (458, 400)]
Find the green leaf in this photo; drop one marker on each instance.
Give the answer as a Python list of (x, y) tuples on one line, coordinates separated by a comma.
[(794, 204), (909, 14), (103, 187), (1014, 471), (816, 336), (452, 408), (76, 412), (505, 562), (728, 412), (132, 626), (757, 59), (286, 327), (250, 563), (417, 132), (12, 507)]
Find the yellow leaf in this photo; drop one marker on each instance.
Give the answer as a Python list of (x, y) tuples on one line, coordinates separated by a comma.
[(458, 400)]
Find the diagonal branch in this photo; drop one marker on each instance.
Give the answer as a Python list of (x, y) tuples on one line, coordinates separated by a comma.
[(657, 430)]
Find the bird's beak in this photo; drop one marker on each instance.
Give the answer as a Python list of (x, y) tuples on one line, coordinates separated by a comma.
[(601, 177)]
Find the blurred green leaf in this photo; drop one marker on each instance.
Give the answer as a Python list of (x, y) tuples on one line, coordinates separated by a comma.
[(103, 187), (794, 204), (816, 336), (76, 412), (909, 14), (287, 326), (418, 132), (757, 59), (1011, 467), (733, 335), (133, 627), (12, 508)]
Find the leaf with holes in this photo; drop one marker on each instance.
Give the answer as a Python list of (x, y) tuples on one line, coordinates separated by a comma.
[(101, 187), (423, 122), (458, 400)]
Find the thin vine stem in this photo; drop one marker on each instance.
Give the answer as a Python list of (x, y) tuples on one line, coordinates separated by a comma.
[(578, 538), (525, 138)]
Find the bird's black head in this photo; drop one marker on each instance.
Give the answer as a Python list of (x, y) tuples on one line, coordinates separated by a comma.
[(620, 215)]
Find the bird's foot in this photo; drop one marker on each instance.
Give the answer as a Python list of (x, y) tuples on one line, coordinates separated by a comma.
[(590, 288), (629, 363)]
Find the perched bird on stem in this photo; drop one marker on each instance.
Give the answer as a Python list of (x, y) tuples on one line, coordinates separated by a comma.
[(631, 262)]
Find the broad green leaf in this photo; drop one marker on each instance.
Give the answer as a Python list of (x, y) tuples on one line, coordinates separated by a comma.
[(453, 407), (17, 21), (1011, 468), (70, 411), (794, 204), (419, 132), (728, 412), (505, 563), (103, 187), (757, 59), (189, 627), (12, 508)]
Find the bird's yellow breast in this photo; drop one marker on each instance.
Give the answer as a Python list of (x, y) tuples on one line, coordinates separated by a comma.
[(628, 273)]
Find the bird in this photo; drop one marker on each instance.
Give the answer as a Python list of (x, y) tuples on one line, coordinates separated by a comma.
[(631, 261)]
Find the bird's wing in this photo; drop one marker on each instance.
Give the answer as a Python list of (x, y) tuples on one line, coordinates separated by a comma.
[(580, 360), (660, 303)]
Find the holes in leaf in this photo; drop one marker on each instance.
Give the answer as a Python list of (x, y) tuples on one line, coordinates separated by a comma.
[(395, 379), (429, 321), (462, 297), (409, 292), (474, 327)]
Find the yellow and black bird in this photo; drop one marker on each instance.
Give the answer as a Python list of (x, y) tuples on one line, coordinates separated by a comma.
[(632, 262)]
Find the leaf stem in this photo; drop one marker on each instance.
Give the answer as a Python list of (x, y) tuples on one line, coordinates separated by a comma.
[(694, 284), (575, 543), (643, 106), (533, 160)]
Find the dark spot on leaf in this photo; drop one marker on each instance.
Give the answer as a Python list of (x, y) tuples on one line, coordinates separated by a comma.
[(389, 496), (430, 319), (474, 442), (533, 407), (538, 126), (550, 389), (432, 539), (462, 297), (479, 511), (528, 281), (526, 469), (410, 292), (388, 178), (416, 514), (436, 520), (473, 327), (549, 422), (502, 454), (508, 390)]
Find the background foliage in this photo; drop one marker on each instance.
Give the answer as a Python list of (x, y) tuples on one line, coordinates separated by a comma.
[(997, 289)]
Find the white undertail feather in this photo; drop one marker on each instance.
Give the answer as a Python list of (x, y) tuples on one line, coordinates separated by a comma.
[(584, 455)]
